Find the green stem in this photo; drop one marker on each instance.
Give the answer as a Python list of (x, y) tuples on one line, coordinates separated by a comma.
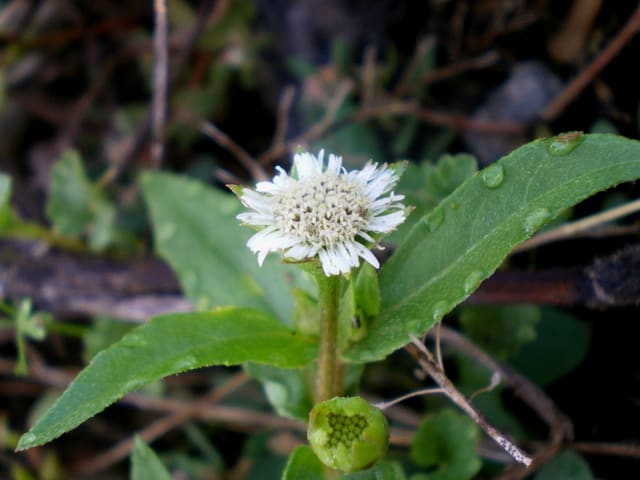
[(327, 381)]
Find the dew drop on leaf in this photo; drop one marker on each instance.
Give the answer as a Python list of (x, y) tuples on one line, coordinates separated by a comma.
[(472, 281), (440, 309), (166, 231), (536, 219), (203, 303), (185, 363), (134, 340), (434, 219), (27, 440), (565, 143), (493, 175), (134, 384)]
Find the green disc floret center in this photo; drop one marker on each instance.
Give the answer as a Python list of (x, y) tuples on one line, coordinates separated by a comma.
[(345, 429)]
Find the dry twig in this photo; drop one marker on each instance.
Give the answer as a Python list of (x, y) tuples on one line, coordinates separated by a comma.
[(160, 82), (584, 78), (429, 364)]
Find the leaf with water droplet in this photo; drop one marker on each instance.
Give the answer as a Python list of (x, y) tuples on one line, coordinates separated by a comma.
[(429, 266), (536, 219), (434, 219), (493, 175), (166, 231), (185, 363), (27, 440), (473, 281), (440, 309), (565, 143), (174, 343), (133, 339)]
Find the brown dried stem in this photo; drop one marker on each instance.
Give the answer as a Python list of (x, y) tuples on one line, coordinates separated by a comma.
[(560, 426), (160, 82), (316, 130), (584, 78), (121, 450), (430, 365), (222, 139)]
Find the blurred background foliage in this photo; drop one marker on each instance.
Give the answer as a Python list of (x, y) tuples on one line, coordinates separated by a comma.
[(449, 85)]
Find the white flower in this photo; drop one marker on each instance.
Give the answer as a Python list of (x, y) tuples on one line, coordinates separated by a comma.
[(323, 211)]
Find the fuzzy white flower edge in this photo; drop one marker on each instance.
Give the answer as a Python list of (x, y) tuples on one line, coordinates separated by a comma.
[(373, 184)]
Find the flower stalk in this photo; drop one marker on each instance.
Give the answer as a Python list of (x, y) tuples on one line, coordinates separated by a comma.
[(328, 383)]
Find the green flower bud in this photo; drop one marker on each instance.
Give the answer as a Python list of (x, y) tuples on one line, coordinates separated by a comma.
[(348, 433)]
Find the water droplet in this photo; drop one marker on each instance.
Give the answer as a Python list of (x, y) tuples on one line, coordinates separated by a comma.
[(434, 219), (493, 175), (134, 384), (415, 326), (536, 219), (27, 440), (565, 143), (472, 281), (202, 303), (185, 363), (440, 309), (134, 340), (166, 231)]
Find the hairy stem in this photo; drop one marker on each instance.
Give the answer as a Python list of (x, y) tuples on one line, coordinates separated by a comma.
[(327, 382)]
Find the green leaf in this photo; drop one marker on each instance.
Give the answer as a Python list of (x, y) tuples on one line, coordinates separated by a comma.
[(103, 333), (5, 190), (462, 241), (3, 90), (567, 465), (196, 231), (7, 216), (258, 452), (288, 391), (145, 464), (445, 176), (168, 345), (561, 344), (367, 291), (103, 229), (70, 195), (303, 464), (427, 184), (381, 471), (501, 330), (10, 223), (447, 440), (76, 206)]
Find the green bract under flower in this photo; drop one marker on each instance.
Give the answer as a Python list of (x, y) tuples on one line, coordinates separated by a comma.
[(348, 433), (324, 212)]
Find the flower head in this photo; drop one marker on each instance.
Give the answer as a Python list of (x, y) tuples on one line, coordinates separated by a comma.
[(323, 211), (348, 433)]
